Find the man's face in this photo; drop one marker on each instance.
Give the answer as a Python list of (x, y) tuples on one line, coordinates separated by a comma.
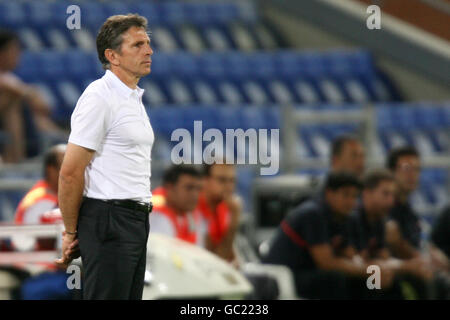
[(343, 200), (407, 173), (221, 182), (381, 198), (135, 52), (10, 56), (351, 158), (185, 192)]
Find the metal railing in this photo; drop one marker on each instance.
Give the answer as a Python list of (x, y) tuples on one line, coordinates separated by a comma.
[(366, 117)]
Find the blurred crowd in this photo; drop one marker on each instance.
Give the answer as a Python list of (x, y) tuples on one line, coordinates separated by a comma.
[(25, 113), (358, 218)]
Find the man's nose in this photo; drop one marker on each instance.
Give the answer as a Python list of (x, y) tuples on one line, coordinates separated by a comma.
[(150, 50)]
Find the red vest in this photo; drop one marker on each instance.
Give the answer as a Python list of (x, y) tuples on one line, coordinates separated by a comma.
[(186, 225), (218, 221), (37, 193)]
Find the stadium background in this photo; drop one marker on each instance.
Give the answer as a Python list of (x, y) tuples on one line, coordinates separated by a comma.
[(259, 64)]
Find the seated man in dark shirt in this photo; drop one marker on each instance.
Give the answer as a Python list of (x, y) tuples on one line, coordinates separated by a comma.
[(403, 229), (440, 235), (367, 223), (368, 232), (440, 253), (314, 242)]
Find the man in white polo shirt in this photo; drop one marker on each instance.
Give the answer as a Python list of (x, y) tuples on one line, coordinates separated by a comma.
[(104, 186)]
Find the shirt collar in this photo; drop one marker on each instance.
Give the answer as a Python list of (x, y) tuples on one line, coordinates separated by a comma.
[(121, 87)]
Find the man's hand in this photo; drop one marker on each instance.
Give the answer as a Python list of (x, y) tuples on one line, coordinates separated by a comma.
[(386, 277), (70, 250), (420, 268)]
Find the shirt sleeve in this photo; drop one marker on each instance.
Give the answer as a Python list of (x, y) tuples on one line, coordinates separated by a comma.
[(159, 223), (310, 226), (440, 231), (89, 121)]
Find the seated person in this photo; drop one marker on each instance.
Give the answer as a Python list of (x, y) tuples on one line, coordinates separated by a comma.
[(221, 208), (22, 106), (403, 230), (174, 205), (40, 204), (440, 236), (37, 205), (314, 242), (440, 254), (368, 232), (347, 154)]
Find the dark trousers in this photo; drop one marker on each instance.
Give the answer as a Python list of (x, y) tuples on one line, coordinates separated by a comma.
[(113, 247)]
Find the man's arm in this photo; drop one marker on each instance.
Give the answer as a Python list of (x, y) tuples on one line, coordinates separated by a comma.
[(225, 248), (25, 92), (325, 259), (71, 183), (397, 244)]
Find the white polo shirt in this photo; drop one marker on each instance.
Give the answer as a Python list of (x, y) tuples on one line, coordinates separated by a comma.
[(110, 118)]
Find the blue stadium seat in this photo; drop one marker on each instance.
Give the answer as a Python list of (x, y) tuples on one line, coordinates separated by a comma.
[(117, 7), (253, 117), (12, 14), (206, 114), (229, 118), (148, 10), (165, 119)]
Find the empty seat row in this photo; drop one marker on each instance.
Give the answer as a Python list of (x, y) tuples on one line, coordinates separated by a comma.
[(38, 13), (314, 140), (237, 78), (164, 38)]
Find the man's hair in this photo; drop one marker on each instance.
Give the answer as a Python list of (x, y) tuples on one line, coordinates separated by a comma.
[(341, 179), (339, 143), (6, 37), (374, 177), (207, 168), (51, 157), (397, 153), (110, 34), (173, 173)]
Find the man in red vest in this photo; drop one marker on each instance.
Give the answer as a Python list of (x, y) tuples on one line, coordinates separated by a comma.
[(221, 208), (174, 205), (38, 205)]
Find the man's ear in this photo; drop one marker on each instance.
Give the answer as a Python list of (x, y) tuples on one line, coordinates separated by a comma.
[(111, 56)]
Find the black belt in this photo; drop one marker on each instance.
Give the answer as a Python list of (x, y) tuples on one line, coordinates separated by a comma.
[(133, 205)]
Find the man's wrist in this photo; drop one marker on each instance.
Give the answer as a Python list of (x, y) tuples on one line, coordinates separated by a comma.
[(72, 233)]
